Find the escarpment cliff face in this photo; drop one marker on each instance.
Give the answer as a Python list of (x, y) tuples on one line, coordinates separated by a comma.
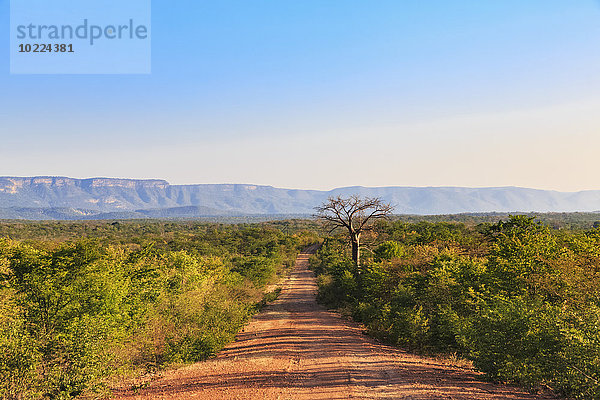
[(13, 183), (100, 194), (69, 198)]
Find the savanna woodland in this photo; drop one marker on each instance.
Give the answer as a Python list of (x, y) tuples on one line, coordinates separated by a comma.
[(85, 304), (517, 297), (81, 303)]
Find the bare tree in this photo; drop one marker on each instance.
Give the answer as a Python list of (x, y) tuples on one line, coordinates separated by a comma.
[(356, 214)]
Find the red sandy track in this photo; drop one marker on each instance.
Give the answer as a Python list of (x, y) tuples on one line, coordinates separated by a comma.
[(296, 349)]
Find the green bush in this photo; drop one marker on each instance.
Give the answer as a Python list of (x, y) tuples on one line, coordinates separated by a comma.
[(75, 313), (519, 299), (388, 250)]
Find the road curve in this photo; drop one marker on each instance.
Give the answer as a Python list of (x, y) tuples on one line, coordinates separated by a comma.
[(296, 349)]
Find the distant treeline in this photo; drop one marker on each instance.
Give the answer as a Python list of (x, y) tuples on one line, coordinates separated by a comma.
[(81, 303), (576, 220), (26, 227), (169, 233), (519, 298)]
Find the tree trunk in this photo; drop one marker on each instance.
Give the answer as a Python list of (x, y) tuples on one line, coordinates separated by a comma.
[(355, 239)]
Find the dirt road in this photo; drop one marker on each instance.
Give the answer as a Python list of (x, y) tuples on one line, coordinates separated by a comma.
[(296, 349)]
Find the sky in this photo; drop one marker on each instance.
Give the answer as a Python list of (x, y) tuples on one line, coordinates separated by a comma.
[(318, 94)]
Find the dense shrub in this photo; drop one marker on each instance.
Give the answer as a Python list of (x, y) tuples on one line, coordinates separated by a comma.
[(75, 313), (518, 298)]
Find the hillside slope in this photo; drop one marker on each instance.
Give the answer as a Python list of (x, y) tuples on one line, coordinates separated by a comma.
[(68, 198)]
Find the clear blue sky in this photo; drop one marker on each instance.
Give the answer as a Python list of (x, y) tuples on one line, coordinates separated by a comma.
[(326, 93)]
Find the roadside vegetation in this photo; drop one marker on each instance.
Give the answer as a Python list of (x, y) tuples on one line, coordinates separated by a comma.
[(84, 303), (519, 298)]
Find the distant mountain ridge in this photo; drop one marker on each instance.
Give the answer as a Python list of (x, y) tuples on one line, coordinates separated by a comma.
[(47, 197)]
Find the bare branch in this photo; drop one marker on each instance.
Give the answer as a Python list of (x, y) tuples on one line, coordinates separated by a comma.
[(354, 213)]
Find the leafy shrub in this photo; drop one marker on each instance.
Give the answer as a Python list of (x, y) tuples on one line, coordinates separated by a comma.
[(521, 300), (75, 313), (388, 250)]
